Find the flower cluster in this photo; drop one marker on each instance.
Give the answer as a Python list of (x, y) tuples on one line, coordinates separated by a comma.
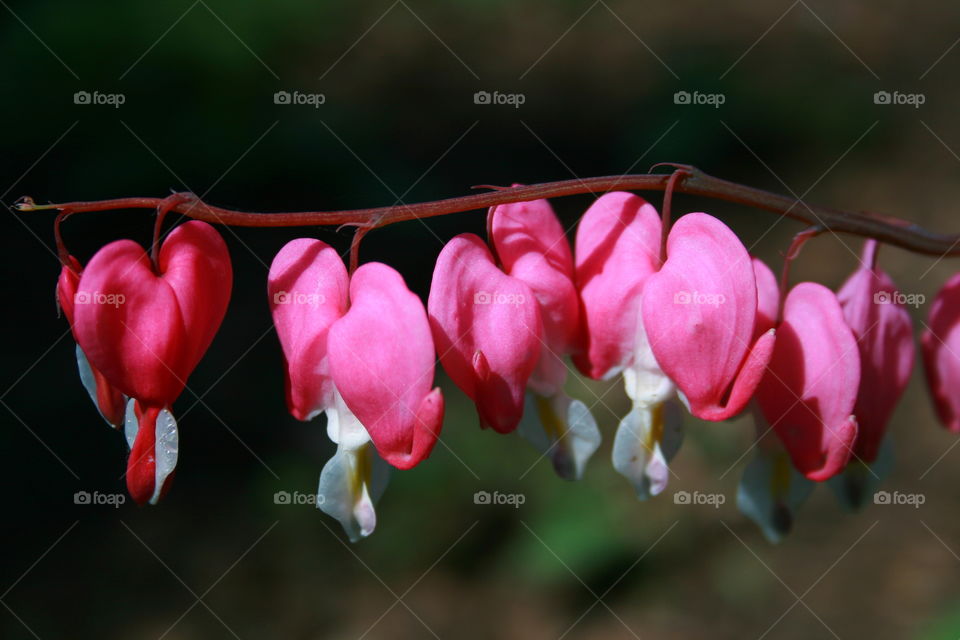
[(684, 314)]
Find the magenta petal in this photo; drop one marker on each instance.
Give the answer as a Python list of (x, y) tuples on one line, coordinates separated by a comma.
[(768, 297), (699, 312), (67, 284), (532, 247), (617, 248), (195, 263), (110, 402), (382, 361), (487, 330), (884, 336), (940, 344), (809, 392), (307, 292), (139, 344), (145, 332)]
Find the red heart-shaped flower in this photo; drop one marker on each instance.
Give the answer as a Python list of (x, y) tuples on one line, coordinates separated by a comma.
[(145, 331)]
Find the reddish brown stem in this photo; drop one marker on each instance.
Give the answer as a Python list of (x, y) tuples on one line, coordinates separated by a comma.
[(665, 215), (62, 251), (798, 241), (893, 231), (166, 205)]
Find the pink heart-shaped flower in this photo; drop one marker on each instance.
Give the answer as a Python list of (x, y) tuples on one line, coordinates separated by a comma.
[(145, 331), (307, 289), (940, 344), (884, 336), (617, 249), (810, 388), (382, 361), (700, 313), (487, 330)]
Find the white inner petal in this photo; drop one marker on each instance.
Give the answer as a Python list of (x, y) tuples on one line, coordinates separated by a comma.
[(646, 439), (130, 424), (561, 428), (343, 428), (166, 449)]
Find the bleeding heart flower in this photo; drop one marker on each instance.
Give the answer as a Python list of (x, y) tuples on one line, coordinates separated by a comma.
[(700, 316), (368, 363), (884, 334), (940, 344), (810, 388), (487, 330), (308, 288), (110, 402), (617, 250), (146, 331), (771, 490), (382, 361), (530, 242)]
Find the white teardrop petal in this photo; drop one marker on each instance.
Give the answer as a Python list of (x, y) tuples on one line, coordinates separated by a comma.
[(350, 484), (561, 428), (771, 491), (86, 375), (583, 437), (530, 427), (89, 381), (646, 439), (166, 449), (130, 424)]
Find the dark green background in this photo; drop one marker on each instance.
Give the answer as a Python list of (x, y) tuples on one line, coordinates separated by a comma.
[(400, 121)]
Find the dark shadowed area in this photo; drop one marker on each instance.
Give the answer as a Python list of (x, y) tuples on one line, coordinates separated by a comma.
[(399, 123)]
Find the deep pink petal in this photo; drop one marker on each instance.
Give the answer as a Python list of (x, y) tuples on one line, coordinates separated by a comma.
[(487, 329), (127, 320), (699, 312), (940, 344), (382, 360), (146, 332), (195, 263), (108, 398), (617, 248), (884, 336), (67, 284), (531, 245), (307, 292), (768, 297), (809, 391)]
